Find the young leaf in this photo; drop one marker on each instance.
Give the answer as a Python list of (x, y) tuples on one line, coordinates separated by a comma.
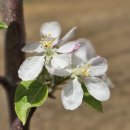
[(3, 25), (29, 94), (91, 101)]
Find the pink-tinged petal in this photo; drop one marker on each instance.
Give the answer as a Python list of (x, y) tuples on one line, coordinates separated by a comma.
[(83, 54), (98, 66), (70, 47), (97, 88), (72, 94), (31, 68), (33, 47)]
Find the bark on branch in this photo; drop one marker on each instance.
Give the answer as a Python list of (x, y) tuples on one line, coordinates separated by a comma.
[(3, 81), (14, 41)]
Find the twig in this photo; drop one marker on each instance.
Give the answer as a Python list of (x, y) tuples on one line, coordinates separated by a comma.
[(4, 82)]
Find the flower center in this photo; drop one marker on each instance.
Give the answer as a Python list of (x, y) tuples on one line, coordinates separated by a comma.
[(82, 71), (47, 41)]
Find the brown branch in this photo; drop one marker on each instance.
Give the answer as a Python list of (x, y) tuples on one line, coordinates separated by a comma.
[(3, 81), (14, 41)]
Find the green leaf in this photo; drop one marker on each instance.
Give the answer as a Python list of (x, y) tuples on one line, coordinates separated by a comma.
[(91, 101), (29, 94), (3, 25)]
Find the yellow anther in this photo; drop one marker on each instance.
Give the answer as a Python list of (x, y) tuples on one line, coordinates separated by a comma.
[(47, 44), (47, 40), (82, 71), (85, 72)]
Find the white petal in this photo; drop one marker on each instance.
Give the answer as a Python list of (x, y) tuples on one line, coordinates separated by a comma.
[(50, 69), (31, 68), (108, 81), (60, 61), (68, 36), (69, 47), (90, 49), (59, 72), (97, 88), (72, 94), (98, 66), (52, 28), (83, 54), (33, 47)]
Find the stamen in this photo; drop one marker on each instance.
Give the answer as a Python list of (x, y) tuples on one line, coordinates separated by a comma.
[(82, 71), (47, 40)]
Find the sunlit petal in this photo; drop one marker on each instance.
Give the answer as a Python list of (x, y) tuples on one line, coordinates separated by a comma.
[(31, 68), (98, 66), (51, 28), (60, 61), (72, 94), (69, 47), (97, 88)]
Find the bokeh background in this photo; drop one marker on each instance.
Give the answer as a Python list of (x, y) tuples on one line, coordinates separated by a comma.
[(107, 24)]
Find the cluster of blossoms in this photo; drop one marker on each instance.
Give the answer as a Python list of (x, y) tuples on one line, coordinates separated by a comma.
[(74, 59)]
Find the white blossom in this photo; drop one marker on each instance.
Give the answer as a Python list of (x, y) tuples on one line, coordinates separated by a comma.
[(85, 53), (72, 94), (85, 67), (53, 51), (75, 59)]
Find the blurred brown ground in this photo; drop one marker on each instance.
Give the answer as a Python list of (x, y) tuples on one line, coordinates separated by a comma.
[(107, 24)]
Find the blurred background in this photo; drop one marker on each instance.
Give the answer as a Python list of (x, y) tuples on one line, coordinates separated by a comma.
[(107, 24)]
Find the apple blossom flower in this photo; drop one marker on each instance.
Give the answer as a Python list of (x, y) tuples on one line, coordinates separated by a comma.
[(88, 73), (85, 53), (85, 68), (52, 51)]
